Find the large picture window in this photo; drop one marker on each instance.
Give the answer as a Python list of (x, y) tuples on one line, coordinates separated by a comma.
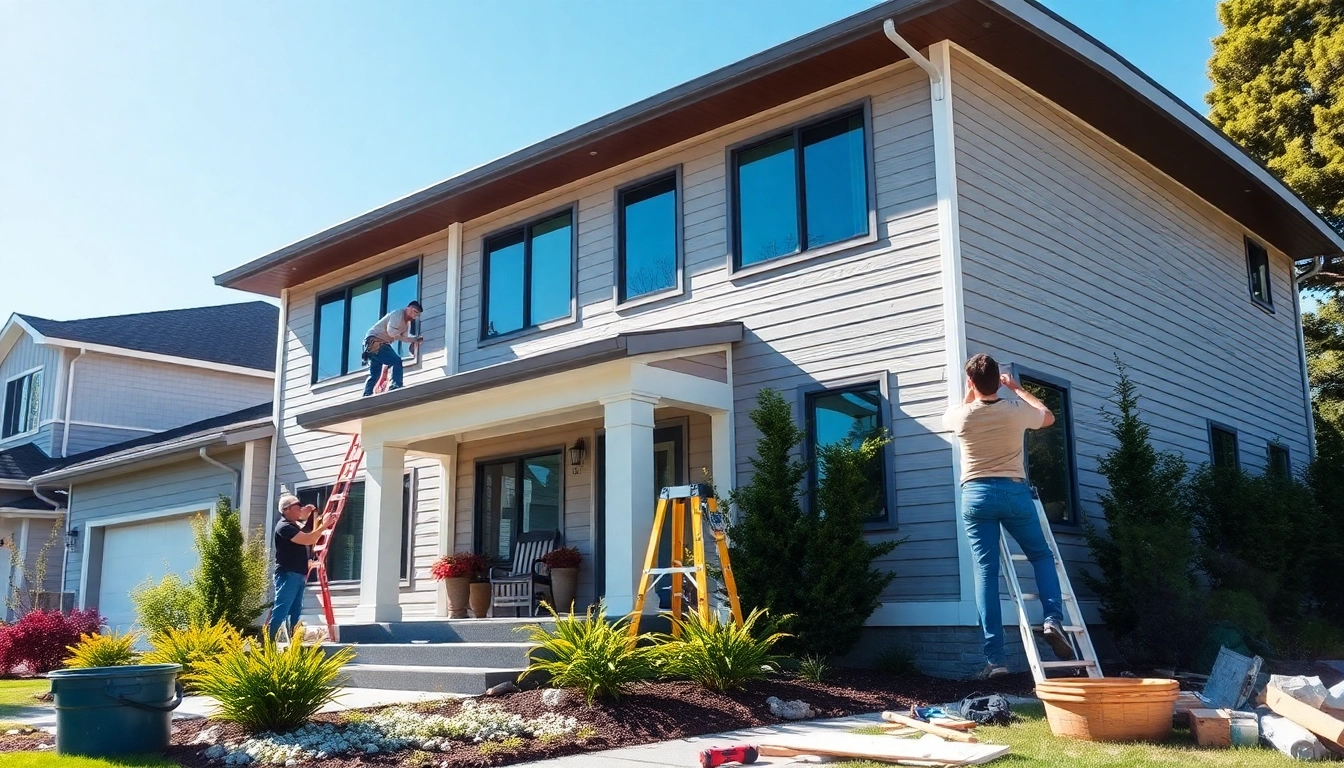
[(647, 260), (23, 403), (528, 275), (801, 190), (345, 560), (1049, 453), (852, 415), (346, 315), (514, 496)]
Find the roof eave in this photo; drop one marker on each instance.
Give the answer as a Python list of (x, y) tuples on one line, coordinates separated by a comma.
[(155, 454)]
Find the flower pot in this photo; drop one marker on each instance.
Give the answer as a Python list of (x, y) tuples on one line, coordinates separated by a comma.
[(564, 583), (457, 597), (1109, 708), (480, 598)]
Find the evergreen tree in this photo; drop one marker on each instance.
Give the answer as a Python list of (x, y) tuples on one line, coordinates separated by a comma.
[(1323, 332), (1145, 553), (1278, 91), (231, 579)]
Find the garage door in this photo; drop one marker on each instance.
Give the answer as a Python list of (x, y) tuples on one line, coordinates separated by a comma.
[(133, 553)]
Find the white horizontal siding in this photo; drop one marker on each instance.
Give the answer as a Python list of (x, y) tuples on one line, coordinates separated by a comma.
[(1075, 251)]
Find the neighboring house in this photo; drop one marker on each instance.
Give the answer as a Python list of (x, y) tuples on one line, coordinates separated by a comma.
[(829, 218), (71, 387)]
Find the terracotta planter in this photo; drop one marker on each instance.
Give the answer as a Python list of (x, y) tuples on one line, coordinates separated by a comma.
[(457, 597), (480, 598), (564, 583), (1109, 708)]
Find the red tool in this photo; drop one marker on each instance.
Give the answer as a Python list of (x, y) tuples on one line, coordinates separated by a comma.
[(716, 756)]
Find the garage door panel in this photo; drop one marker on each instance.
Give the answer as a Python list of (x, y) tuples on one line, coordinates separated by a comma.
[(134, 553)]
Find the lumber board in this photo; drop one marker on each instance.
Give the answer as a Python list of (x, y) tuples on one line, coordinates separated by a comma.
[(1314, 720), (887, 749), (936, 730)]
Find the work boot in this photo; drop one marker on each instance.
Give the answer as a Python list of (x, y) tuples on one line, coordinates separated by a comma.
[(990, 670), (1059, 642)]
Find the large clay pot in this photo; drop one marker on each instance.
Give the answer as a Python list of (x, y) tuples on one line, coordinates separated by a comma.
[(480, 598), (457, 597), (564, 583)]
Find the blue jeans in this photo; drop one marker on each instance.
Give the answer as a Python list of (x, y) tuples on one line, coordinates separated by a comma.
[(288, 601), (385, 356), (986, 504)]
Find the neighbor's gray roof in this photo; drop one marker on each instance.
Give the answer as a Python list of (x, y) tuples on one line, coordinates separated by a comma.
[(23, 461), (242, 335)]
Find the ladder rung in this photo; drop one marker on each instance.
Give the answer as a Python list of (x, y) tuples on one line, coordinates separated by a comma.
[(690, 569), (1023, 559), (1075, 664), (1066, 628), (1034, 596)]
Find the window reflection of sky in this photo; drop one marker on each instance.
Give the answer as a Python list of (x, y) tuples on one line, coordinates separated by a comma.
[(649, 238)]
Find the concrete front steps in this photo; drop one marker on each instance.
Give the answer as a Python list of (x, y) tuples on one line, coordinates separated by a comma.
[(462, 656)]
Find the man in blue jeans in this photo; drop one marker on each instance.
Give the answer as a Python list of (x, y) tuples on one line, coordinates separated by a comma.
[(380, 349), (291, 544), (994, 493)]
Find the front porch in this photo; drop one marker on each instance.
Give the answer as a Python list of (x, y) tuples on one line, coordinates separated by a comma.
[(650, 409)]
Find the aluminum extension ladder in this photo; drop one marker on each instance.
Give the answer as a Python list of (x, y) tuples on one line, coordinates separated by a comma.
[(1075, 629)]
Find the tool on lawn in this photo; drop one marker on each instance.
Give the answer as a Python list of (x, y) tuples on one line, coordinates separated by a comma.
[(1085, 656), (739, 753), (704, 510)]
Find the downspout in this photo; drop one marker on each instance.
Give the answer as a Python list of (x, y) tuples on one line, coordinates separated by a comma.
[(237, 476), (935, 77), (69, 399), (65, 550), (1317, 264)]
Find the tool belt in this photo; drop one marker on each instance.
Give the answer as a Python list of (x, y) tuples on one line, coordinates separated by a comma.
[(371, 346)]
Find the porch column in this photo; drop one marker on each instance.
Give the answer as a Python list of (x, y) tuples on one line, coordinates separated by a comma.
[(721, 445), (447, 520), (380, 573), (629, 495)]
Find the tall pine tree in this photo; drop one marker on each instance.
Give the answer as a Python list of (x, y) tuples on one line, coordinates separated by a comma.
[(231, 579)]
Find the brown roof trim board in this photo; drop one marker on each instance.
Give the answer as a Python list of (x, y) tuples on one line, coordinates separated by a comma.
[(1088, 80), (570, 358)]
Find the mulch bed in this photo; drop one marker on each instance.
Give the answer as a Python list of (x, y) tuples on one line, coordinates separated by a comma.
[(649, 713)]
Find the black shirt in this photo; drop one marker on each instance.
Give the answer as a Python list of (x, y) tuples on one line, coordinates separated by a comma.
[(289, 557)]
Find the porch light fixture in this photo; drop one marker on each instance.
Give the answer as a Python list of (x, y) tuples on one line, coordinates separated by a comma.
[(71, 536), (576, 455)]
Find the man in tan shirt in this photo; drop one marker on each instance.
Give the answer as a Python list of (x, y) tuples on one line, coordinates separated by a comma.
[(994, 493)]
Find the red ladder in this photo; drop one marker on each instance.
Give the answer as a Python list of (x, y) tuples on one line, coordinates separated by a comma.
[(331, 512)]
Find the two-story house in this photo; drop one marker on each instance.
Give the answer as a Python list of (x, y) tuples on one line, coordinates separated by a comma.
[(845, 218), (80, 391)]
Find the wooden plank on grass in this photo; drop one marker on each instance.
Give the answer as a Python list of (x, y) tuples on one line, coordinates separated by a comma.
[(936, 730), (887, 749)]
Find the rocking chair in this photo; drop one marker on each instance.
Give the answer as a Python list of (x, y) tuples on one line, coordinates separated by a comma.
[(517, 584)]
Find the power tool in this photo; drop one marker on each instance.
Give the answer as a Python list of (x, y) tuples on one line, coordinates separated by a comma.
[(716, 756)]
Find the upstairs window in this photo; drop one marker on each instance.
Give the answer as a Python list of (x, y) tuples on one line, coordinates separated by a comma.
[(801, 190), (851, 414), (1049, 453), (1223, 446), (528, 275), (648, 243), (346, 315), (1257, 274), (1279, 461), (23, 399)]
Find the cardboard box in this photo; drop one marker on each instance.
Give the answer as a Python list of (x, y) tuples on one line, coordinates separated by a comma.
[(1224, 727)]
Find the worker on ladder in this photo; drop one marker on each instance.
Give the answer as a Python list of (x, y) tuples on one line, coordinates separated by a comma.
[(292, 562), (994, 492)]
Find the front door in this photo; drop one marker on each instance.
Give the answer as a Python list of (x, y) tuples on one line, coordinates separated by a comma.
[(669, 468)]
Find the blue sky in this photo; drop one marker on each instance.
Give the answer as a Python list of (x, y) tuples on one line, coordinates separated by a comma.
[(148, 145)]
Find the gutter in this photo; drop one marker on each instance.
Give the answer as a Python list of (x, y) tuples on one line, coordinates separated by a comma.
[(100, 465), (69, 400), (237, 475), (935, 77)]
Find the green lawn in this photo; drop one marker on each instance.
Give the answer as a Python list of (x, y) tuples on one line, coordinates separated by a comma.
[(1033, 745), (17, 695), (50, 760)]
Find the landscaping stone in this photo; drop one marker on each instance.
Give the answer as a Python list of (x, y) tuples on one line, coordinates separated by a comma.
[(554, 697), (789, 710), (501, 689)]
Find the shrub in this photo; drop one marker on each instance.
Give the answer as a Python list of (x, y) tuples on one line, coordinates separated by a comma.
[(39, 639), (169, 604), (562, 557), (232, 580), (110, 650), (895, 660), (812, 668), (189, 647), (593, 654), (457, 565), (263, 687), (1145, 553), (1325, 475), (717, 654)]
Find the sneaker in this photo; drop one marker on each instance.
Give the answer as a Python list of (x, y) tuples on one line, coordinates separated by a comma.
[(990, 670), (1059, 642)]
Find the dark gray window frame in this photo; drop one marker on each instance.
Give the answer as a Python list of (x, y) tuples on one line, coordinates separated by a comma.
[(618, 215), (1266, 303), (478, 466), (1071, 440), (1219, 426), (483, 254), (6, 415), (806, 393), (416, 265), (411, 481), (864, 106), (1270, 448)]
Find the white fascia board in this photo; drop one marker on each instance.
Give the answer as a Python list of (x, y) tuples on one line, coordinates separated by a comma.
[(117, 462), (1034, 16), (157, 358)]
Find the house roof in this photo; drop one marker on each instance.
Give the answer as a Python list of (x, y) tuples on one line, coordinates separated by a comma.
[(23, 461), (603, 350), (29, 503), (241, 335), (1020, 37), (195, 435)]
